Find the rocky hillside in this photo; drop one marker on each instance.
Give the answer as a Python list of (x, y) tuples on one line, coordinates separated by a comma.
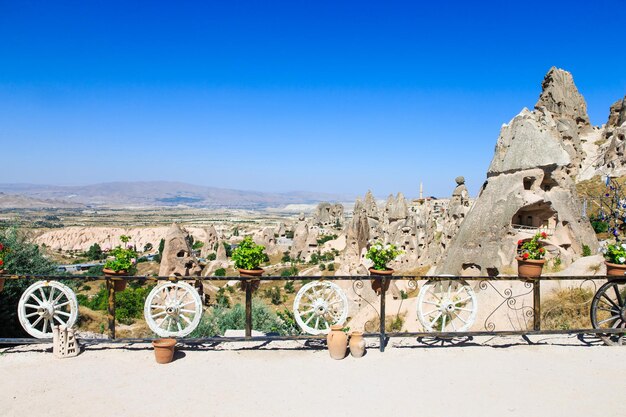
[(161, 194)]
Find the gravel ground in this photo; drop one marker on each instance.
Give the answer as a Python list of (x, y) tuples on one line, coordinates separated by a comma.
[(482, 377)]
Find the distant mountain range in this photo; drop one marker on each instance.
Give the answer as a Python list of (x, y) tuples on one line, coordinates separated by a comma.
[(150, 194)]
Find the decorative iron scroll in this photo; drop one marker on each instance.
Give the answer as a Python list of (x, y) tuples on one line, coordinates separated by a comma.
[(509, 299), (357, 287)]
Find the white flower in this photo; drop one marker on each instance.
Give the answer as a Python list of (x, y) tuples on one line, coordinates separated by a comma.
[(621, 259), (624, 245)]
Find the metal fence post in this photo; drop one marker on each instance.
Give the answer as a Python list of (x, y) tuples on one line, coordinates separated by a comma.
[(248, 284), (111, 313), (537, 304), (382, 313)]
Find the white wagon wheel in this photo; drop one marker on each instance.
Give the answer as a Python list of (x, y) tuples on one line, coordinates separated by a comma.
[(173, 309), (45, 304), (319, 305), (446, 306)]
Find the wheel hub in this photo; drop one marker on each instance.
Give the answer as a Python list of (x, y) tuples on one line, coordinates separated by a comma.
[(46, 310), (447, 306), (320, 307)]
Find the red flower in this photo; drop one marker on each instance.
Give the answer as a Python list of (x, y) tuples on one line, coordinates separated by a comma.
[(519, 242), (1, 262), (541, 250), (1, 247), (525, 255), (544, 235)]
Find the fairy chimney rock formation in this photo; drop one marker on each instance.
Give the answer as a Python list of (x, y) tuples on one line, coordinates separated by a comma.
[(560, 96), (177, 258), (617, 113), (530, 188), (210, 242), (327, 214)]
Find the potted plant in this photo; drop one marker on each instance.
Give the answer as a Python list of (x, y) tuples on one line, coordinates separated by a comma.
[(530, 262), (381, 255), (615, 259), (248, 257), (3, 252), (121, 262)]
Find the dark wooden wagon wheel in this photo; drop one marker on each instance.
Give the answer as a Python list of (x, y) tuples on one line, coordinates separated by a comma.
[(608, 311)]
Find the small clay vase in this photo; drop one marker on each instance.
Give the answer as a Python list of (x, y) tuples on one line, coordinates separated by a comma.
[(357, 344), (377, 282), (118, 284), (250, 273), (1, 280), (529, 268), (337, 342), (164, 350)]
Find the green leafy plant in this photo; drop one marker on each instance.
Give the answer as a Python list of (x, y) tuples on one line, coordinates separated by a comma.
[(122, 258), (615, 253), (220, 272), (381, 255), (533, 249), (249, 255), (211, 257), (586, 250)]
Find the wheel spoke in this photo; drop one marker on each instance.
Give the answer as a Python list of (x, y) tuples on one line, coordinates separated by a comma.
[(60, 321), (618, 295), (443, 323), (157, 306), (51, 295), (61, 305), (37, 299), (64, 313), (432, 323), (185, 318), (186, 310), (37, 321), (317, 322), (609, 299), (31, 314), (609, 319), (31, 305), (162, 313)]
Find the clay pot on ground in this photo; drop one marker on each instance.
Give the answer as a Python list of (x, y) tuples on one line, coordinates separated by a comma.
[(1, 280), (118, 284), (164, 350), (357, 344), (337, 342), (250, 273), (529, 268), (377, 282), (615, 270)]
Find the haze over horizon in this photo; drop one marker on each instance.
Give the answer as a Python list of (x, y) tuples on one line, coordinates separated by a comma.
[(324, 97)]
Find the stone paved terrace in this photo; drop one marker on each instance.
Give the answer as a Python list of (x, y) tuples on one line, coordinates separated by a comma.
[(551, 376)]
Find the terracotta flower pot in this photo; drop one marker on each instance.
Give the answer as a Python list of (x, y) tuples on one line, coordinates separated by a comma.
[(337, 342), (377, 282), (357, 344), (250, 273), (529, 268), (615, 270), (1, 280), (118, 284), (164, 350)]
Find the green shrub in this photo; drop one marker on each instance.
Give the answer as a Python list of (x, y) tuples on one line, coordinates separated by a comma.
[(220, 272), (274, 294), (289, 287), (289, 272), (218, 319), (331, 267), (222, 299), (325, 238), (211, 257), (586, 250), (128, 303)]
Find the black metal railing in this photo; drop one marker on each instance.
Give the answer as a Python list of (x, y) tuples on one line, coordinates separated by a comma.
[(532, 288)]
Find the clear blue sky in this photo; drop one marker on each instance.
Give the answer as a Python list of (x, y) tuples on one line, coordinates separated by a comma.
[(332, 96)]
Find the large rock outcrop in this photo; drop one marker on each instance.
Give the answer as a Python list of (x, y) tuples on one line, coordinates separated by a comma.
[(177, 258), (329, 215), (529, 188)]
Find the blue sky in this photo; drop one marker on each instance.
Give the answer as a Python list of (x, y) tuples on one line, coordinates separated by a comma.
[(278, 96)]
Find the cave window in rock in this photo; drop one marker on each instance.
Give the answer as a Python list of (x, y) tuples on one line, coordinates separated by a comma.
[(548, 182), (180, 254), (538, 216), (529, 182)]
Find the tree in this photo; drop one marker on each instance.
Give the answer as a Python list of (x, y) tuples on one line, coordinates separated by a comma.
[(94, 253), (158, 256), (24, 258)]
